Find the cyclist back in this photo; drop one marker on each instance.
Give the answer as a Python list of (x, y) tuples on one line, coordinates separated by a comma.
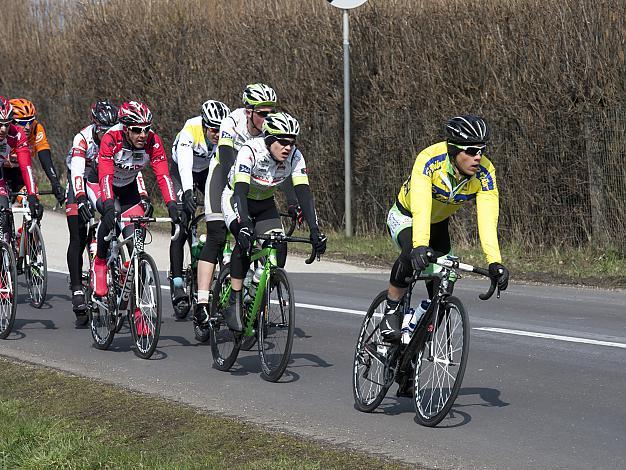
[(125, 149), (194, 148), (445, 176), (13, 139), (248, 202), (25, 116)]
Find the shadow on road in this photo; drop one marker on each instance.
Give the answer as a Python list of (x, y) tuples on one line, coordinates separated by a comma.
[(489, 396), (20, 323)]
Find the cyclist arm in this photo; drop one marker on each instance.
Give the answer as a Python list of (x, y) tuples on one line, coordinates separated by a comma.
[(77, 165), (158, 160), (45, 156), (300, 182), (141, 186), (421, 202), (106, 167), (487, 211), (226, 153), (241, 181), (22, 151), (184, 158)]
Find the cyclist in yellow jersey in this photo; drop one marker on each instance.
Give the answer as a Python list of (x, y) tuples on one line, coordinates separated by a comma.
[(445, 176)]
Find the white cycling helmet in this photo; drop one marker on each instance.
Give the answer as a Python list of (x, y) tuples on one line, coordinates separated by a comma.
[(213, 112), (259, 94), (281, 124)]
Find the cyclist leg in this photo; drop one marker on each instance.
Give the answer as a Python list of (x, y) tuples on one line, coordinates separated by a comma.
[(440, 243), (215, 239), (400, 227), (78, 240), (177, 285), (5, 220)]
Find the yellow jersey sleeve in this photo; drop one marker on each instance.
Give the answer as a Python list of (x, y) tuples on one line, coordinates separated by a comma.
[(487, 211)]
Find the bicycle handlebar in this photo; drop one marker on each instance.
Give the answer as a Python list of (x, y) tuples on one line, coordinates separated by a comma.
[(142, 220), (279, 237)]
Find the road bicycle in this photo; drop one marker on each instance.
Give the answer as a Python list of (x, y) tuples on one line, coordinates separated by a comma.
[(30, 250), (138, 297), (431, 366), (268, 311)]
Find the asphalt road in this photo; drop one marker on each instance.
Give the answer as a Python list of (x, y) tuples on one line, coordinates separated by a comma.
[(544, 387)]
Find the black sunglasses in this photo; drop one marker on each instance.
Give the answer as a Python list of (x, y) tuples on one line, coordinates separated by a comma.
[(139, 130), (264, 114), (286, 142), (5, 124)]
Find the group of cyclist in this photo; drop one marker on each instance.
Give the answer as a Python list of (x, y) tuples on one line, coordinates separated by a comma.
[(237, 159)]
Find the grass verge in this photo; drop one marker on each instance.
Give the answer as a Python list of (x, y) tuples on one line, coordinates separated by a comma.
[(51, 419)]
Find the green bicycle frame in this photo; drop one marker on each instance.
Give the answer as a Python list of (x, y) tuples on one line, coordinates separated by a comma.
[(270, 262)]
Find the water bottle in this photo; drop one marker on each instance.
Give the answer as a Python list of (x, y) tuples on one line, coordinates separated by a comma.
[(93, 248), (247, 282), (196, 248), (411, 318), (256, 277), (226, 254)]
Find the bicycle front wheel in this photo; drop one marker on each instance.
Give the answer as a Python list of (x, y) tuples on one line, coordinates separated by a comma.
[(103, 312), (276, 326), (36, 268), (145, 321), (371, 374), (225, 343), (441, 361), (8, 289)]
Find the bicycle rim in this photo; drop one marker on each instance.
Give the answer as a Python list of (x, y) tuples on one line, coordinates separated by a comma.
[(145, 320), (182, 309), (276, 326), (8, 289), (225, 343), (119, 319), (371, 372), (37, 269), (441, 362)]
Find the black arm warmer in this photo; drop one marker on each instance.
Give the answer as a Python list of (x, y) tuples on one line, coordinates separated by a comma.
[(240, 199), (45, 157), (290, 193), (305, 198), (227, 155)]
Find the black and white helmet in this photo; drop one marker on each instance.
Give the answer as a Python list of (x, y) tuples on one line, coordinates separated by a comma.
[(467, 130), (104, 114), (281, 124), (213, 112), (259, 94)]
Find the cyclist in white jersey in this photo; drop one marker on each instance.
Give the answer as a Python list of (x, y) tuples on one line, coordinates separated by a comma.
[(248, 202), (194, 148), (241, 125)]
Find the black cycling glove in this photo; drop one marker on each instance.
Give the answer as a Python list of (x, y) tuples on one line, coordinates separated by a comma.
[(84, 209), (499, 272), (420, 257)]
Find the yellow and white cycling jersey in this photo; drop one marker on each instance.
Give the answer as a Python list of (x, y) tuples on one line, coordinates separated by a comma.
[(433, 193), (234, 130), (191, 151), (254, 165)]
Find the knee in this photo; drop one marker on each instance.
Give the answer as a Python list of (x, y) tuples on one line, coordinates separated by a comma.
[(401, 270)]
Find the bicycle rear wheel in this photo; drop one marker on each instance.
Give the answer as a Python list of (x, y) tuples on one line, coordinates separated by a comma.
[(225, 343), (441, 362), (8, 289), (371, 372), (145, 320), (36, 268), (277, 318)]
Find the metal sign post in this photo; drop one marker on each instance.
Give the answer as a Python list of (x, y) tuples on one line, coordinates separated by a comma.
[(345, 5)]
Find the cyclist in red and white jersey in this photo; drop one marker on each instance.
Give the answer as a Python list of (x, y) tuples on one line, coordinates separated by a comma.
[(125, 150), (13, 138)]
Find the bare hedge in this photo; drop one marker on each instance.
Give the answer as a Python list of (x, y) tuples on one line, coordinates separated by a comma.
[(548, 75)]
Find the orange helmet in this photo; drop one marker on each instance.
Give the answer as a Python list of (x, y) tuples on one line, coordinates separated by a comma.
[(23, 109)]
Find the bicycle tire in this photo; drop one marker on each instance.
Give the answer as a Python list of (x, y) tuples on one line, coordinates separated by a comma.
[(372, 374), (102, 315), (149, 307), (225, 343), (37, 269), (8, 291), (119, 319), (276, 325), (182, 309), (441, 360)]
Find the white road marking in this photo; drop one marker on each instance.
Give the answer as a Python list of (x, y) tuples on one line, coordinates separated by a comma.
[(571, 339)]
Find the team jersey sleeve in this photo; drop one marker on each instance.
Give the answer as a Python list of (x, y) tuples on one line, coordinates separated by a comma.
[(243, 166), (184, 156), (22, 150), (141, 185), (487, 211), (40, 138), (158, 160), (299, 172), (77, 164), (106, 168), (420, 196), (227, 132)]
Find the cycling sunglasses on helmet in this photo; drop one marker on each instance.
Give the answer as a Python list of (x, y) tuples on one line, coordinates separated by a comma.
[(472, 150), (139, 130)]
